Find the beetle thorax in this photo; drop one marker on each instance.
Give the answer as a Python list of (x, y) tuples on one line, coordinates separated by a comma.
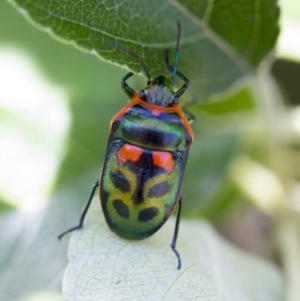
[(160, 92)]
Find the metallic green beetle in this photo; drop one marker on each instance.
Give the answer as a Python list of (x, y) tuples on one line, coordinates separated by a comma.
[(148, 147)]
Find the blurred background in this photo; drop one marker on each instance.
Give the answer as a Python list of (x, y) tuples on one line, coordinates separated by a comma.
[(55, 112)]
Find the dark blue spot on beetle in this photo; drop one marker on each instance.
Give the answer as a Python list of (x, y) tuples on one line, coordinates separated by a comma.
[(147, 214), (145, 136), (144, 170), (159, 190), (120, 181), (115, 126), (121, 208)]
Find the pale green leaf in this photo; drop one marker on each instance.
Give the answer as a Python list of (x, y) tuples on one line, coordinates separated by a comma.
[(103, 266)]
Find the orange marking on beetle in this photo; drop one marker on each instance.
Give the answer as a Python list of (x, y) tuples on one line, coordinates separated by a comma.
[(133, 101), (185, 122), (164, 160), (129, 152), (156, 110)]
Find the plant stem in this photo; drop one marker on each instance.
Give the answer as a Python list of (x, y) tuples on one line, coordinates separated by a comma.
[(288, 239)]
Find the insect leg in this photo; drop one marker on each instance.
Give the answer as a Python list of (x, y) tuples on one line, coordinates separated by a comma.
[(190, 117), (84, 211), (129, 91), (174, 240)]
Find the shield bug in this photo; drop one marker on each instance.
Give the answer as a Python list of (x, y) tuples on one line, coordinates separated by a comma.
[(147, 150)]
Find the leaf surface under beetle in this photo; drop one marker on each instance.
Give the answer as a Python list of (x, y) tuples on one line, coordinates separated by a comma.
[(103, 266)]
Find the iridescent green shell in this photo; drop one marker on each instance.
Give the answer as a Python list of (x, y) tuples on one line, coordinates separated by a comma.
[(138, 193), (138, 197)]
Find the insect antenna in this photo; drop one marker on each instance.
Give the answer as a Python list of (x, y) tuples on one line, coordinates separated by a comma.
[(174, 73)]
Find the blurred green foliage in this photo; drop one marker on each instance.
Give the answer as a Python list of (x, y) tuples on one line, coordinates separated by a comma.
[(221, 47)]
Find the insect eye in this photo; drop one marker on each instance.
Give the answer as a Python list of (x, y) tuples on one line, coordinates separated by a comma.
[(142, 94)]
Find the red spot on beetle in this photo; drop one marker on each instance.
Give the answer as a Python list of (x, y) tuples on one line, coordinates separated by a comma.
[(164, 160), (129, 152)]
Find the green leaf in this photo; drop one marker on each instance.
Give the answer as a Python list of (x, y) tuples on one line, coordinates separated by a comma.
[(238, 101), (103, 266), (216, 48), (249, 27)]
